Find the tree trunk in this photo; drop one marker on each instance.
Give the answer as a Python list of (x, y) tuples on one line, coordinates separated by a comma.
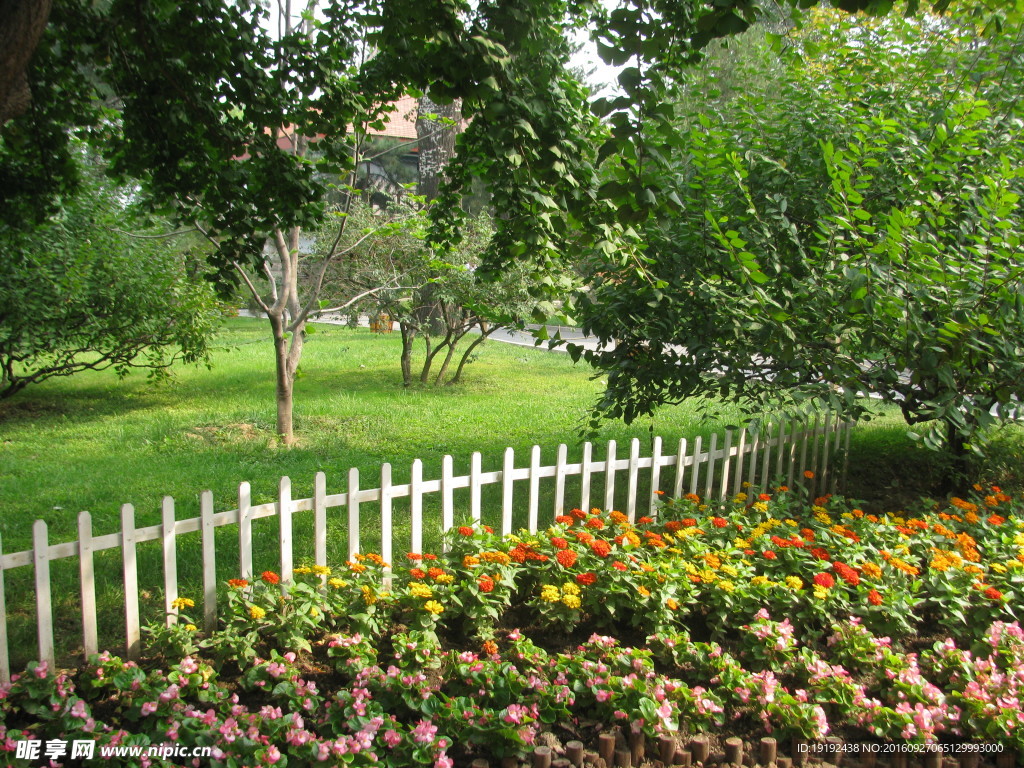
[(408, 337), (484, 333), (21, 25), (956, 479), (435, 140)]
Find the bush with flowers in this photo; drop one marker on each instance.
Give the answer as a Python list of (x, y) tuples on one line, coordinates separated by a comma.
[(663, 625)]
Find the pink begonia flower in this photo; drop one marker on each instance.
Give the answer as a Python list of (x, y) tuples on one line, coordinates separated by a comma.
[(42, 670), (148, 708), (290, 657), (275, 669), (424, 732), (603, 695), (392, 738), (273, 754), (443, 761), (188, 665)]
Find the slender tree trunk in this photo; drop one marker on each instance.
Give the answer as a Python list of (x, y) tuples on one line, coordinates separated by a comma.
[(408, 337), (957, 475), (485, 331)]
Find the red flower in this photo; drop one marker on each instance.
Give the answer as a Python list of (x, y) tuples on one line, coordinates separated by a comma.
[(238, 583), (719, 522), (579, 514), (586, 579), (435, 572), (595, 522), (689, 522), (824, 580), (558, 543), (566, 558), (996, 520), (846, 573), (645, 520), (618, 565), (748, 551), (993, 594), (808, 474), (486, 583), (414, 556), (764, 497), (565, 520), (465, 530), (673, 525), (874, 597), (770, 555), (270, 577), (488, 529), (820, 553), (430, 557), (417, 573), (601, 548)]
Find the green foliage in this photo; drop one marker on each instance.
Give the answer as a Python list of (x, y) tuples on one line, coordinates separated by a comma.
[(79, 292), (847, 225)]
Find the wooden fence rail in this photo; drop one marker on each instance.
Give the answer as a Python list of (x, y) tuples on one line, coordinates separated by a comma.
[(719, 469)]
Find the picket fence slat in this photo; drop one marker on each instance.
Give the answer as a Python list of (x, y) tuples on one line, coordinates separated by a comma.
[(728, 461), (87, 585), (5, 659)]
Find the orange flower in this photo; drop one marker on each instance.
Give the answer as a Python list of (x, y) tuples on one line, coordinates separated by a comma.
[(996, 520), (719, 522), (874, 597), (465, 530), (566, 558), (764, 497), (993, 594), (490, 647), (601, 548), (808, 474), (586, 579), (692, 497), (238, 583), (270, 577), (486, 583)]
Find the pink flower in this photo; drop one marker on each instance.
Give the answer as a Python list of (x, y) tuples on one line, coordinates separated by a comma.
[(148, 708), (273, 754), (603, 695), (424, 732), (392, 738), (443, 761)]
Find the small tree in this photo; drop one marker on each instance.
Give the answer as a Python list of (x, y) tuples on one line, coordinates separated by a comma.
[(82, 293)]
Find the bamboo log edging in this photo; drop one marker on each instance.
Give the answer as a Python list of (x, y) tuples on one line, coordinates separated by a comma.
[(717, 469)]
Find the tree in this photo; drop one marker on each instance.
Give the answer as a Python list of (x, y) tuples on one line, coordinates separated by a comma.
[(851, 229), (82, 293)]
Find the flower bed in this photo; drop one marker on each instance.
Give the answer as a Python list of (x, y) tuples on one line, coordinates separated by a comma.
[(664, 629)]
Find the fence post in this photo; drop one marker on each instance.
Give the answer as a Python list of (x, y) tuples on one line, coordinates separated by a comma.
[(44, 608), (631, 483), (133, 634), (710, 479), (320, 519), (677, 489), (169, 545), (609, 476), (695, 464), (245, 531), (87, 585), (5, 659), (655, 474), (209, 543), (741, 451), (386, 533), (585, 461), (447, 495), (353, 513), (416, 505), (755, 448), (534, 480), (284, 511), (560, 462), (475, 470), (507, 489), (726, 464)]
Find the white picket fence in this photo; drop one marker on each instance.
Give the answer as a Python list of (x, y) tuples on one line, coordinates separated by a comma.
[(779, 451)]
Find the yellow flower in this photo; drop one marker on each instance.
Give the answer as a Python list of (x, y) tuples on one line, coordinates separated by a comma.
[(182, 602), (726, 586), (745, 484), (549, 593), (571, 601), (337, 583), (708, 577), (739, 498), (632, 538), (191, 627), (569, 588), (321, 570), (760, 581), (257, 613), (871, 570), (418, 589), (369, 596), (702, 507), (820, 592), (301, 570), (644, 591), (794, 582), (729, 571), (444, 578), (791, 522), (761, 506), (314, 612), (469, 561), (433, 607), (997, 567)]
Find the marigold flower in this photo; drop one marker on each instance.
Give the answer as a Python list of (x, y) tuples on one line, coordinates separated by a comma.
[(644, 591), (429, 556), (489, 647), (302, 570), (356, 567), (569, 588), (434, 607), (486, 584), (820, 592), (619, 565), (719, 522), (579, 514), (256, 613), (993, 594), (846, 573), (321, 570), (566, 558), (764, 497), (238, 583), (337, 583), (586, 579), (783, 489), (692, 497), (601, 548), (618, 517), (996, 520), (417, 573), (871, 570), (824, 580), (414, 556), (565, 520), (595, 522), (469, 561), (434, 572), (182, 602), (673, 525), (770, 554), (444, 578), (808, 474), (191, 627), (794, 582), (672, 604), (874, 597), (645, 520), (465, 530), (571, 601), (418, 589), (369, 596), (270, 577), (549, 593)]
